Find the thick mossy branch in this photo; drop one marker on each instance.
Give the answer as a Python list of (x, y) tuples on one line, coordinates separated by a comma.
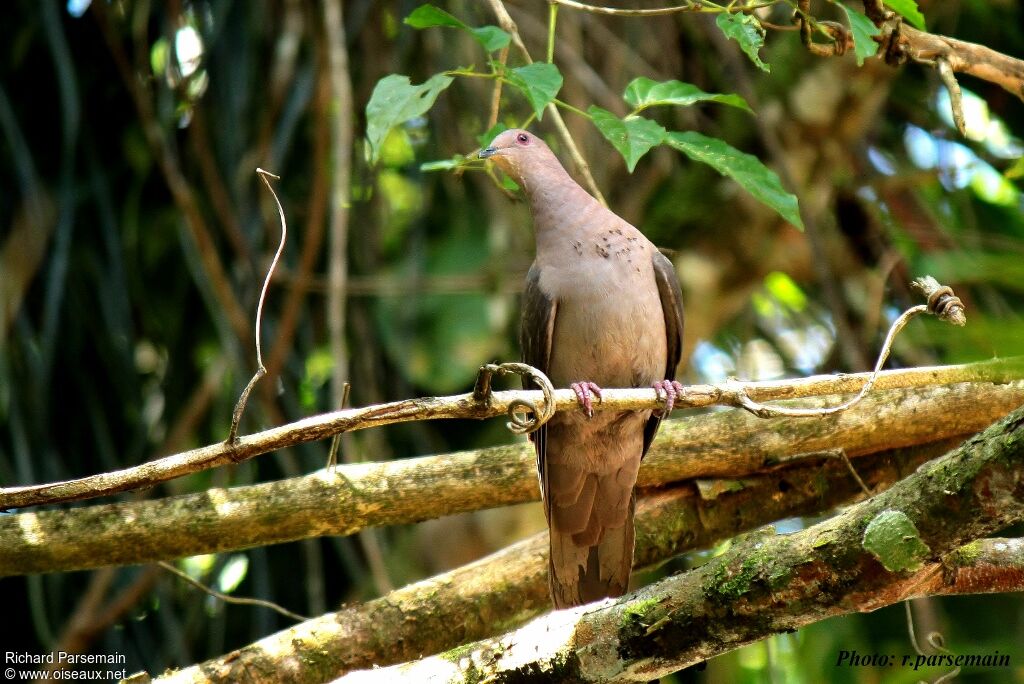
[(764, 584), (724, 444), (509, 587)]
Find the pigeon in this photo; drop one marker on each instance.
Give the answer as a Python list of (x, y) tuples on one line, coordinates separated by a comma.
[(602, 307)]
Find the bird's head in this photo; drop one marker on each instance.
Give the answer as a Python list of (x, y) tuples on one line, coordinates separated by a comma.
[(520, 154)]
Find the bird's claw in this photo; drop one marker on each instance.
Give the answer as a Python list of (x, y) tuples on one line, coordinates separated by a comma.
[(584, 392), (670, 390)]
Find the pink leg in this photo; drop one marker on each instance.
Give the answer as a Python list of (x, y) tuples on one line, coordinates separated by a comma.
[(671, 389), (584, 391)]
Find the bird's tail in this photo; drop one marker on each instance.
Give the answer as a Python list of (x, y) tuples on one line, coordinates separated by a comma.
[(595, 562)]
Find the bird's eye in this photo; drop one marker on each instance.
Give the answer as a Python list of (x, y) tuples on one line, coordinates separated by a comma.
[(522, 138)]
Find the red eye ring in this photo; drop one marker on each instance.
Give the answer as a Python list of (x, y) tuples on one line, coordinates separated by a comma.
[(522, 138)]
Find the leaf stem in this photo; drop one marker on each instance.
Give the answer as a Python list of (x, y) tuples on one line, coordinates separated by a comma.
[(552, 17), (469, 73), (566, 105)]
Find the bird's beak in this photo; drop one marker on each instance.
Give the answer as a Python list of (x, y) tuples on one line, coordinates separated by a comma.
[(487, 152)]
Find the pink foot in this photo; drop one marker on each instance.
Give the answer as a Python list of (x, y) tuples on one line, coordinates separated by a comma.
[(671, 389), (584, 393)]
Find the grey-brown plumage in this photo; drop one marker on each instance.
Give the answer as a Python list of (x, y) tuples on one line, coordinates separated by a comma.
[(602, 307)]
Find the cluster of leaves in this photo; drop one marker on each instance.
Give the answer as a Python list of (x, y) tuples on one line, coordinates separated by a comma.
[(747, 30), (634, 135), (396, 100)]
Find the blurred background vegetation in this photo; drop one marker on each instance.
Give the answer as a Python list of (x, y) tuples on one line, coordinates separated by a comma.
[(135, 235)]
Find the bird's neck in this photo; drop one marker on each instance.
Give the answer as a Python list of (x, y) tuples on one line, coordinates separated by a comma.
[(560, 209)]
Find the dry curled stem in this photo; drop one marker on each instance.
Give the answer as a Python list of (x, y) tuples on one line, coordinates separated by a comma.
[(840, 37), (261, 370), (519, 423), (942, 302), (623, 12), (226, 598)]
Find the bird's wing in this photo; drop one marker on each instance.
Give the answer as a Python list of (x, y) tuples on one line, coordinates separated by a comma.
[(672, 307), (535, 334)]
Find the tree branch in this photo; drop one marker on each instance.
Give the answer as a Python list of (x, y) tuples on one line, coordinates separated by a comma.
[(498, 403), (900, 42), (692, 6), (730, 443), (726, 444), (508, 587), (769, 583)]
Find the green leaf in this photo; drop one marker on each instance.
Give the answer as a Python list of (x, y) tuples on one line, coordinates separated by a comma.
[(633, 136), (444, 164), (746, 30), (394, 101), (745, 169), (485, 139), (909, 11), (642, 93), (893, 539), (539, 82), (491, 37), (863, 29), (427, 16)]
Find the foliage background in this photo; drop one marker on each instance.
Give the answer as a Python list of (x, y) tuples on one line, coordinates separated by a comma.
[(118, 343)]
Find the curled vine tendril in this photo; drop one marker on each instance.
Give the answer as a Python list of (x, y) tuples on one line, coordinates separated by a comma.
[(521, 421)]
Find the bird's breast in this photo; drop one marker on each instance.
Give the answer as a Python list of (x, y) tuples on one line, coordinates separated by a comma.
[(609, 326)]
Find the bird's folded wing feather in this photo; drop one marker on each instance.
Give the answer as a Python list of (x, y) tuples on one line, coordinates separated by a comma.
[(672, 307), (535, 335)]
